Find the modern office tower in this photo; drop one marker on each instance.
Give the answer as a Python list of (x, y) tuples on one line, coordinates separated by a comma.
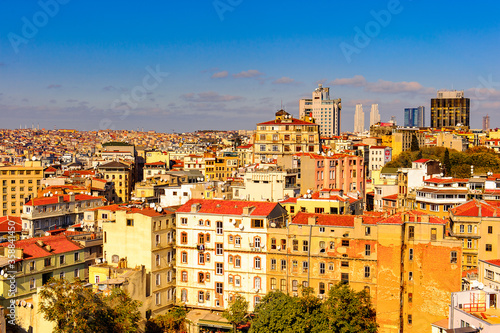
[(486, 123), (359, 119), (450, 109), (415, 117), (324, 110), (374, 115)]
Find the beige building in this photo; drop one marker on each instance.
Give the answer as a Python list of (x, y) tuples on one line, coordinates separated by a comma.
[(326, 111), (284, 136), (19, 183), (452, 141), (121, 174), (144, 237)]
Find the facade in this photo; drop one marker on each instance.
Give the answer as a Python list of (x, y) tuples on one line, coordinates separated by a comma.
[(415, 117), (403, 261), (374, 115), (333, 171), (475, 223), (121, 174), (19, 184), (439, 195), (221, 167), (284, 136), (474, 311), (38, 260), (452, 141), (489, 273), (154, 168), (324, 110), (142, 236), (359, 119), (45, 213), (402, 137), (222, 251), (379, 156), (385, 183), (450, 109)]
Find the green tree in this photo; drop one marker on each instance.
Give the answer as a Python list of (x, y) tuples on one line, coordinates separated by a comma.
[(447, 163), (237, 311), (171, 322), (75, 308), (414, 143), (348, 311)]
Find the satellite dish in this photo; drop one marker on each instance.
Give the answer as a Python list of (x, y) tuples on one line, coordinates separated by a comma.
[(159, 209), (233, 222), (151, 205), (242, 227), (305, 196), (273, 224), (1, 272), (309, 196)]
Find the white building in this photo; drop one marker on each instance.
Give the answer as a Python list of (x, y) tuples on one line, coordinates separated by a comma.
[(359, 119), (374, 115), (324, 110), (379, 156), (221, 251)]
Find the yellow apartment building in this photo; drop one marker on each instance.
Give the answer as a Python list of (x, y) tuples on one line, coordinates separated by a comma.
[(140, 236), (19, 183), (121, 174)]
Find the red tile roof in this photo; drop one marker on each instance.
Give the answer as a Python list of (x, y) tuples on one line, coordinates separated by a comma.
[(245, 146), (228, 207), (391, 197), (156, 163), (471, 208), (495, 262), (289, 200), (422, 160), (333, 219), (15, 221), (446, 180), (293, 122), (58, 244), (413, 216), (55, 199)]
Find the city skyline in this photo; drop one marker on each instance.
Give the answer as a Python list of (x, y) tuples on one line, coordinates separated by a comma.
[(171, 67)]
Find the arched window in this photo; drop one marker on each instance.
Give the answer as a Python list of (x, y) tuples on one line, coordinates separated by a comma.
[(237, 261), (201, 239), (184, 276), (201, 277), (184, 237), (207, 223), (256, 282), (184, 295)]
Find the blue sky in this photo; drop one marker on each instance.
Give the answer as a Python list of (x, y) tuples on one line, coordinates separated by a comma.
[(228, 64)]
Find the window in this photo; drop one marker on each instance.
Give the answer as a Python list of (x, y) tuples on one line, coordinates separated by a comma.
[(332, 245), (410, 276), (256, 262), (322, 229), (368, 250), (32, 266), (273, 243), (201, 297), (257, 223), (273, 264), (295, 244), (490, 229), (462, 228), (433, 234), (237, 261), (201, 258), (201, 239), (218, 288), (47, 262), (237, 241), (256, 242), (305, 266), (273, 283), (367, 271), (344, 277), (61, 275), (183, 295), (283, 264), (184, 237), (367, 231), (489, 274), (469, 243), (219, 227), (184, 221), (184, 276), (488, 247), (305, 246), (32, 283), (410, 254), (230, 239), (158, 279), (158, 298), (453, 257), (469, 229), (344, 263), (184, 257), (321, 288), (158, 260), (256, 282), (130, 222), (219, 249), (61, 260), (283, 244), (410, 320), (237, 281), (295, 285), (411, 232), (77, 256), (219, 268), (322, 268), (345, 242)]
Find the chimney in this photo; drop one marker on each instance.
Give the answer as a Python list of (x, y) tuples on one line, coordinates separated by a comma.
[(60, 199), (71, 197), (311, 220), (195, 207)]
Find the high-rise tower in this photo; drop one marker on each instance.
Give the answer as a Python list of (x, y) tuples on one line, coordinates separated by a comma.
[(450, 109), (359, 119), (374, 115), (324, 110)]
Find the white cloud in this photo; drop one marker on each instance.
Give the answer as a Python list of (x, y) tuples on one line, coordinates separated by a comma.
[(284, 80), (220, 75), (251, 73)]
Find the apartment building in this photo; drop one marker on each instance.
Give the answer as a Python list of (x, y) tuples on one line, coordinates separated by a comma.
[(326, 201), (221, 167), (285, 136), (38, 260), (143, 236), (55, 211), (19, 183), (439, 195), (221, 251), (326, 111), (475, 223), (403, 261), (379, 156), (121, 174)]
